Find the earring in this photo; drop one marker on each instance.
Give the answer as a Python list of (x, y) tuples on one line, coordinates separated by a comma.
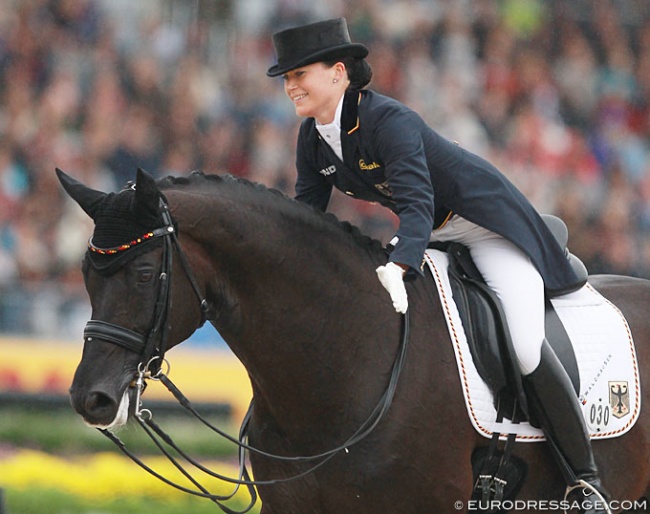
[(335, 81)]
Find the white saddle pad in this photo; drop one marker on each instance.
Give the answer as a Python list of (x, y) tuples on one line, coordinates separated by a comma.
[(602, 341)]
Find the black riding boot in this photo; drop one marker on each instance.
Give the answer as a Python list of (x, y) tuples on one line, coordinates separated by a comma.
[(553, 402)]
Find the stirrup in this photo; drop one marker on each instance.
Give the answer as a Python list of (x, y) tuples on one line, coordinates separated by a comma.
[(588, 490)]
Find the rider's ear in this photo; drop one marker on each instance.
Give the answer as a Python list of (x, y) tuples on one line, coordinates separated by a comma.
[(87, 198), (147, 194)]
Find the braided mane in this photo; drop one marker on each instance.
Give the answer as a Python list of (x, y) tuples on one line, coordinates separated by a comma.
[(199, 179)]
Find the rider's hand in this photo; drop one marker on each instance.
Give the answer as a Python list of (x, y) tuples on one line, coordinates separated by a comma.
[(390, 277)]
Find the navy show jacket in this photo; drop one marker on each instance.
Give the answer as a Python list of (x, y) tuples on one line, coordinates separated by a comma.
[(392, 157)]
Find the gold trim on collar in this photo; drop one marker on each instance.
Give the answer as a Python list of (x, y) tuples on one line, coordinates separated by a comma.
[(357, 125), (354, 128)]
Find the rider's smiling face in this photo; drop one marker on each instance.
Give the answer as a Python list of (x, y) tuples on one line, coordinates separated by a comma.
[(315, 90)]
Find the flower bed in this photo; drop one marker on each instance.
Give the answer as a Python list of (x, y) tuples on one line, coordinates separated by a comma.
[(36, 482)]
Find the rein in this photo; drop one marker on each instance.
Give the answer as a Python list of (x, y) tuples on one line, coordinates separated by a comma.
[(152, 349)]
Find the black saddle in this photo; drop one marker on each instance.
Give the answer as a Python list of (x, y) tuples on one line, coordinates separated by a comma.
[(499, 474), (487, 331)]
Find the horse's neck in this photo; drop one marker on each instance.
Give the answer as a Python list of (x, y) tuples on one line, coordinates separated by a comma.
[(301, 310), (289, 328), (302, 365)]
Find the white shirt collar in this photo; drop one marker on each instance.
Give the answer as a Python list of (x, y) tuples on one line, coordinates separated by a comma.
[(337, 117)]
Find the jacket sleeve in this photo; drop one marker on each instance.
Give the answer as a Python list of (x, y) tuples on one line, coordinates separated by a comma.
[(398, 138), (311, 187)]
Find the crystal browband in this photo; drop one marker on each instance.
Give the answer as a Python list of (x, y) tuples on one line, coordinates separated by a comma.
[(126, 246)]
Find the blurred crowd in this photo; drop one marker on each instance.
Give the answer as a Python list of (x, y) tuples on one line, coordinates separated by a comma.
[(556, 94)]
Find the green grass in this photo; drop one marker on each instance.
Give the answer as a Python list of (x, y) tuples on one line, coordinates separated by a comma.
[(62, 431), (45, 501)]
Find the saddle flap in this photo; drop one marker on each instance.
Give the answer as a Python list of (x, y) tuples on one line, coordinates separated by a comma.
[(485, 326), (488, 336)]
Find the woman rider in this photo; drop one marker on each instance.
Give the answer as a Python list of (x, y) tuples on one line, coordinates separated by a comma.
[(374, 148)]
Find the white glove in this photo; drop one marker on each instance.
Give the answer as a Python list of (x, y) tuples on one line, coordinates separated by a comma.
[(390, 277)]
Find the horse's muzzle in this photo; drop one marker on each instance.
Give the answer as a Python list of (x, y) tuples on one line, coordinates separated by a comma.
[(101, 409)]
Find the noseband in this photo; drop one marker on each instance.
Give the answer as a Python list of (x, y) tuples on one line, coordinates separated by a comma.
[(115, 334), (151, 347)]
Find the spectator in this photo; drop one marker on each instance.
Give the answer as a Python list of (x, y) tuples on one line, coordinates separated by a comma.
[(556, 93)]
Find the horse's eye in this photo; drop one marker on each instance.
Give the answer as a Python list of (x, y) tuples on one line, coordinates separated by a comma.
[(145, 276)]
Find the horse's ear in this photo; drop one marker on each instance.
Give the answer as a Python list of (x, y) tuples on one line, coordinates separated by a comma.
[(147, 194), (87, 198)]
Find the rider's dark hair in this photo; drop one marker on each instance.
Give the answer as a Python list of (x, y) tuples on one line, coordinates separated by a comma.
[(359, 71)]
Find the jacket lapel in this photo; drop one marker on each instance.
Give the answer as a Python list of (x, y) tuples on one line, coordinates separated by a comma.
[(350, 125)]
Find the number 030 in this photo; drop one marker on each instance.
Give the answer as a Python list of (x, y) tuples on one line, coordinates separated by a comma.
[(599, 415)]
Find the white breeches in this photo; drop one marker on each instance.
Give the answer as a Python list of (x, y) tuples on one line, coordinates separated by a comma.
[(515, 280)]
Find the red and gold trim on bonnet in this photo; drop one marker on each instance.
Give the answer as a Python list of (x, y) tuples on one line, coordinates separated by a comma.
[(127, 246), (115, 249)]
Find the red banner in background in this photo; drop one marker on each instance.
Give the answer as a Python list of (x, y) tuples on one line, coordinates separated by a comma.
[(47, 367)]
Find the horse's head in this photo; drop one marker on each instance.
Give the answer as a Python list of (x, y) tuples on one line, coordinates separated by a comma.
[(127, 271)]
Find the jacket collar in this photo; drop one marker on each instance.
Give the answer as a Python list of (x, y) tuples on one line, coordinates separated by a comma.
[(350, 112)]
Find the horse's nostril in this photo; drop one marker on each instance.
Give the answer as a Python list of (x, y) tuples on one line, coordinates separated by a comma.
[(99, 403)]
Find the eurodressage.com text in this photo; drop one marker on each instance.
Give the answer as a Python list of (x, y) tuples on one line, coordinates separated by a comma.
[(550, 505)]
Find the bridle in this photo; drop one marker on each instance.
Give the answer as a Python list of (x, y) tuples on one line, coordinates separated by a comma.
[(152, 349)]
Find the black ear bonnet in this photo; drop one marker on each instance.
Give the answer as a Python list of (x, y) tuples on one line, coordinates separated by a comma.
[(122, 231), (124, 221)]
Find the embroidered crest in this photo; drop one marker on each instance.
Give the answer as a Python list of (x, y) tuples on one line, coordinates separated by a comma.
[(368, 167), (328, 171), (619, 398), (384, 189)]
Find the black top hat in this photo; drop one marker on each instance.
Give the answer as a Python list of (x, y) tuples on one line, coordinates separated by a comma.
[(312, 43)]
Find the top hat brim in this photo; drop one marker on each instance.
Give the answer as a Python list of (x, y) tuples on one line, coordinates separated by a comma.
[(348, 49)]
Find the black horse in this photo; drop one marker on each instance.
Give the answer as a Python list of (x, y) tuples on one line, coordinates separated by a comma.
[(295, 295)]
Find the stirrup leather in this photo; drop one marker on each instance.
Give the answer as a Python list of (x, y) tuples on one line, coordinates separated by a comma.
[(588, 490)]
